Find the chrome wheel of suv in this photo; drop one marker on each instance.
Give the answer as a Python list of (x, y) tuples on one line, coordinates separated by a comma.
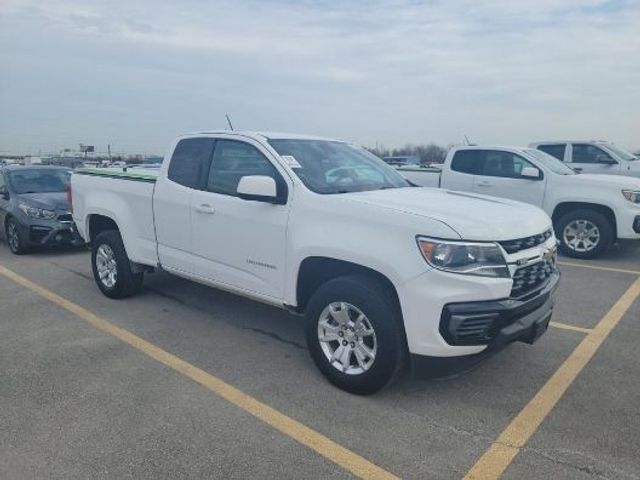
[(347, 338), (581, 235), (106, 266), (13, 237)]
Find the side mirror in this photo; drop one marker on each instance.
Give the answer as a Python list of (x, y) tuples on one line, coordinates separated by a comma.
[(530, 172), (600, 158), (259, 188), (4, 193)]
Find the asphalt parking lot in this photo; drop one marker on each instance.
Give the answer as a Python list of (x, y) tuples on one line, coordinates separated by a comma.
[(184, 381)]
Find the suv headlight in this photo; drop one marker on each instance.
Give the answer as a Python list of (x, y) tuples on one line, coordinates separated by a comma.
[(631, 195), (469, 258), (35, 212)]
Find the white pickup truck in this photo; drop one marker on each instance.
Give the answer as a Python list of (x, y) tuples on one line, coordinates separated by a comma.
[(592, 156), (589, 212), (383, 271)]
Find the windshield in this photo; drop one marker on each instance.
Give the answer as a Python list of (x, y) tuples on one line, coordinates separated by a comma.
[(550, 162), (39, 181), (620, 152), (327, 167)]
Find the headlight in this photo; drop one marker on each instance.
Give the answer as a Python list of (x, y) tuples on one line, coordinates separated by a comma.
[(632, 195), (37, 212), (469, 258)]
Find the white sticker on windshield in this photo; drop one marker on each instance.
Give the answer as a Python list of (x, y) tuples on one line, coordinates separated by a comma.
[(291, 161)]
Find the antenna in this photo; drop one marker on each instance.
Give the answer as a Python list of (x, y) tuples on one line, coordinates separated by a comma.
[(229, 121), (465, 139)]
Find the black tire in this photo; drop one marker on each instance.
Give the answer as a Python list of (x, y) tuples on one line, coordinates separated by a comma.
[(383, 314), (126, 283), (14, 238), (595, 218)]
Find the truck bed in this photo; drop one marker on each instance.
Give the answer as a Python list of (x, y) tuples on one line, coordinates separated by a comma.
[(422, 176), (126, 196)]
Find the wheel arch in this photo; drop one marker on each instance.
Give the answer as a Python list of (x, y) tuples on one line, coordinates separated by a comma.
[(565, 207), (316, 270), (98, 223)]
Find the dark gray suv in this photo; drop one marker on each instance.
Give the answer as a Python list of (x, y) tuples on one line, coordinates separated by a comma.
[(34, 210)]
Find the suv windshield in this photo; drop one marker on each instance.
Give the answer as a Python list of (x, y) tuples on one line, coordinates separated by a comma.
[(39, 180), (326, 166), (551, 162), (620, 152)]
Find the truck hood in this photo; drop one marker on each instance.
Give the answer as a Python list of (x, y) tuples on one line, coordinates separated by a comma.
[(595, 179), (472, 216)]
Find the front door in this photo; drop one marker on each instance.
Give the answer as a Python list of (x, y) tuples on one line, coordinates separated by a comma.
[(239, 243), (587, 158), (500, 176)]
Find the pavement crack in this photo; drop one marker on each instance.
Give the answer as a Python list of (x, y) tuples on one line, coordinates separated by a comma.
[(275, 336)]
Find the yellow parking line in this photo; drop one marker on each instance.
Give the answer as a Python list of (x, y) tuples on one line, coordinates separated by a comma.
[(502, 452), (566, 326), (326, 447), (603, 269)]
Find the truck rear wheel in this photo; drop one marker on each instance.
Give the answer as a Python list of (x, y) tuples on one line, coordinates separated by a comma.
[(584, 233), (354, 334), (111, 266)]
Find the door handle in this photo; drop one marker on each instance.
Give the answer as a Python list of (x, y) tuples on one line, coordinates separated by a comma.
[(484, 184), (205, 208)]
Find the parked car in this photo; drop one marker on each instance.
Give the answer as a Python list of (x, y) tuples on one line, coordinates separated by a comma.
[(383, 271), (589, 212), (34, 209), (592, 156)]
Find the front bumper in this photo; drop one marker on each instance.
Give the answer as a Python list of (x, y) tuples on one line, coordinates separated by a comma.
[(493, 323), (38, 233)]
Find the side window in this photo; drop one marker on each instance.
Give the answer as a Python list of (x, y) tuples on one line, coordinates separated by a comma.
[(188, 161), (468, 161), (585, 153), (554, 150), (233, 160), (504, 164)]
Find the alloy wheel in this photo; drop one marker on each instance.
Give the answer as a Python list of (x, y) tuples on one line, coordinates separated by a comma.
[(581, 235), (106, 266), (347, 338)]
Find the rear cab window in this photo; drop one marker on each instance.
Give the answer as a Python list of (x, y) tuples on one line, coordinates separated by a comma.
[(556, 150), (468, 161), (189, 161)]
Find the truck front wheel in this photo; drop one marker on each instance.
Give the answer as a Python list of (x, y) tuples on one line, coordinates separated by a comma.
[(354, 334), (111, 266), (584, 233)]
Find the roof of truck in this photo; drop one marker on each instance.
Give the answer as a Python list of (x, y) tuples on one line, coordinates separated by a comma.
[(263, 135)]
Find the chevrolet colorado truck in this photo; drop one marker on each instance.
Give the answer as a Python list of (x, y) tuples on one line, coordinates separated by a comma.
[(384, 272), (589, 211), (592, 156)]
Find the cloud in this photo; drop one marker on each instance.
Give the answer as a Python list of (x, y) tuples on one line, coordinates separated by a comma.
[(393, 71)]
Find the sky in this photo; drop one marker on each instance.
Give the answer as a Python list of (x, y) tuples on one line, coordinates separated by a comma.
[(135, 74)]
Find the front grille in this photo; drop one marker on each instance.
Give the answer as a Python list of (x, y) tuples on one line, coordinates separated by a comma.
[(531, 278), (65, 217), (514, 246), (38, 234)]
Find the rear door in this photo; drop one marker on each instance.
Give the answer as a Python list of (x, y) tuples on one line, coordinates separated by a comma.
[(461, 172), (500, 177), (240, 243), (172, 202), (590, 158)]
